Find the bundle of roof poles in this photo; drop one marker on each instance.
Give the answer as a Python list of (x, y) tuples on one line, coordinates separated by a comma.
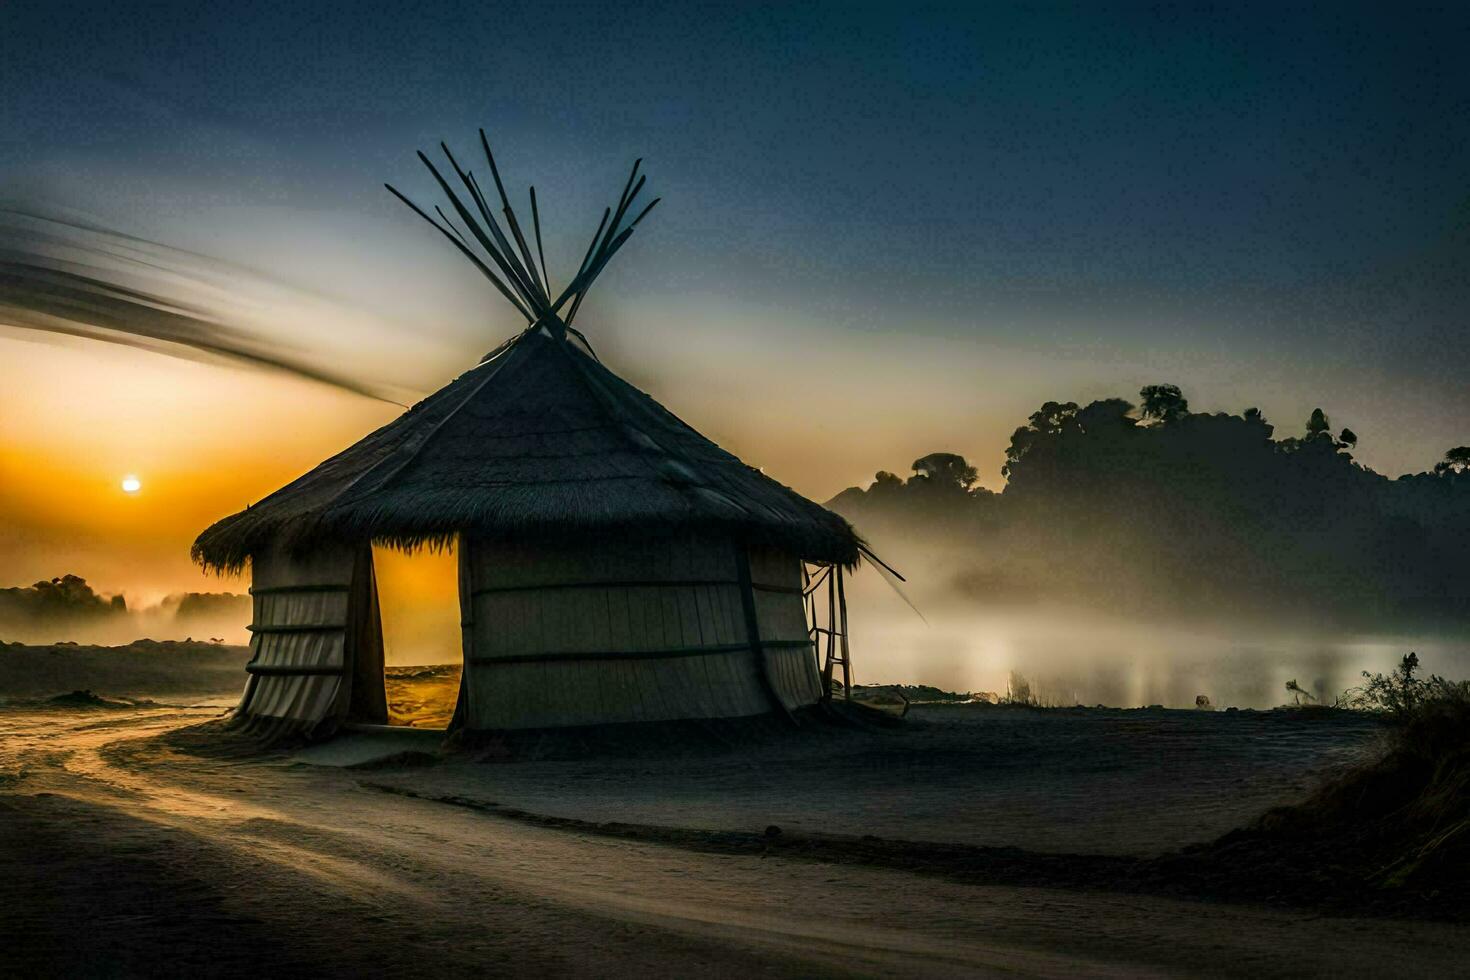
[(519, 281)]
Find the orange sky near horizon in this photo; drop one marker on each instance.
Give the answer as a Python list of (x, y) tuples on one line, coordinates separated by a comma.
[(205, 439), (819, 406)]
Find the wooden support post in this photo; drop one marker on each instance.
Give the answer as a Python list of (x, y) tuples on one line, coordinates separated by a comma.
[(831, 625), (846, 650)]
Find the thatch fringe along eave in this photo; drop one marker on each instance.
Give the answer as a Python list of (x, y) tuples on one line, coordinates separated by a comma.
[(540, 441)]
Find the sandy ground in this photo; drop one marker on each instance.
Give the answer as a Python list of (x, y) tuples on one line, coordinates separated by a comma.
[(1089, 781), (124, 851)]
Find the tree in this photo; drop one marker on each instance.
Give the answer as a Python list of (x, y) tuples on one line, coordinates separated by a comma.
[(1104, 414), (1318, 441), (1257, 422), (1054, 418), (1163, 403), (886, 485), (1317, 425), (885, 479), (1396, 694), (947, 470), (1457, 460)]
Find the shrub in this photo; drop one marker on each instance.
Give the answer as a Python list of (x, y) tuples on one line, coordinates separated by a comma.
[(1018, 691), (1400, 819), (1401, 694)]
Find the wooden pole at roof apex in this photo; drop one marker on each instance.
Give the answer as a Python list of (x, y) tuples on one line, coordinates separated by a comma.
[(536, 224), (526, 287), (510, 216)]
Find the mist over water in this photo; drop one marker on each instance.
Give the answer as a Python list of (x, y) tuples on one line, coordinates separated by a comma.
[(1082, 656), (1150, 554), (67, 609), (1068, 654)]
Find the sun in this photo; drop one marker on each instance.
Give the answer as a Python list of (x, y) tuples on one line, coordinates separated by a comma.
[(131, 484)]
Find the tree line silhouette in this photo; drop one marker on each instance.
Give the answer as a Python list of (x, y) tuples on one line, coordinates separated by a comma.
[(1155, 506), (68, 608)]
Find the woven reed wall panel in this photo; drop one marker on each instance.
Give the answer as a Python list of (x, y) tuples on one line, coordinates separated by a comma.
[(300, 699), (677, 593), (782, 618)]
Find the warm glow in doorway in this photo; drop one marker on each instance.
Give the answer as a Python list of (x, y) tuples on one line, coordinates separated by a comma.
[(419, 596)]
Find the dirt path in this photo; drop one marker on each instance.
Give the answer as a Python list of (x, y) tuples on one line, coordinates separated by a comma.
[(121, 856)]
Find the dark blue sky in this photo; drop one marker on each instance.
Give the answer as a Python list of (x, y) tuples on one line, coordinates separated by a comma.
[(1266, 207)]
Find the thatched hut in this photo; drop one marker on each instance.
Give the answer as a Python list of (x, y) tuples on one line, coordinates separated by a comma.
[(615, 565)]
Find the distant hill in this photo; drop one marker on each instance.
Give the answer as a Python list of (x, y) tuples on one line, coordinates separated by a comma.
[(66, 608)]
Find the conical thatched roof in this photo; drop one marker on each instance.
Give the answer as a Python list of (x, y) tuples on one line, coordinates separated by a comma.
[(540, 439)]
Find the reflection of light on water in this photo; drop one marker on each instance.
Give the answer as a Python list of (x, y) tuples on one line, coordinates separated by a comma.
[(1069, 657)]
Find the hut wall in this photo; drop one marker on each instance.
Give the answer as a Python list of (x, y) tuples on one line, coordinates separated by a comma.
[(302, 666), (776, 587), (626, 630)]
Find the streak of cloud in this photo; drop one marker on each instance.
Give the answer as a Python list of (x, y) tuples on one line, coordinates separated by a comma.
[(77, 278)]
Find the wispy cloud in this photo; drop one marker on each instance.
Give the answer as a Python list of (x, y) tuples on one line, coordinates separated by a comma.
[(74, 277)]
